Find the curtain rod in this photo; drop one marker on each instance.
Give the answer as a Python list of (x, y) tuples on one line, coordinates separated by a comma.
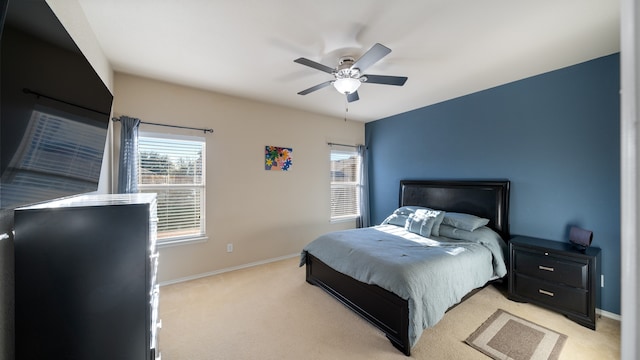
[(39, 95), (331, 144), (173, 126)]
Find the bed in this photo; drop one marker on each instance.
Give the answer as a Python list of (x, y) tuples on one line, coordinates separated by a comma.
[(371, 286)]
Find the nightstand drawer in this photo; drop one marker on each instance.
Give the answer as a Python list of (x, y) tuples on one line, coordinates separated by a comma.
[(568, 298), (551, 268)]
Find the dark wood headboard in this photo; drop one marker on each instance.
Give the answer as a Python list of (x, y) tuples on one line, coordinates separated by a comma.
[(488, 199)]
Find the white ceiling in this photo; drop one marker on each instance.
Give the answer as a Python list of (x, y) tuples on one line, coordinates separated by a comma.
[(447, 48)]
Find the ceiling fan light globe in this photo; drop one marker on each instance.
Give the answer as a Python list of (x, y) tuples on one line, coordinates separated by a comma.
[(346, 85)]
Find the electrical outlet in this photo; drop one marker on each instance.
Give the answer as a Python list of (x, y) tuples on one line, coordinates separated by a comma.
[(601, 280), (229, 247)]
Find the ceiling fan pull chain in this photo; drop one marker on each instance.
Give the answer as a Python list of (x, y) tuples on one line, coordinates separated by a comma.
[(346, 109)]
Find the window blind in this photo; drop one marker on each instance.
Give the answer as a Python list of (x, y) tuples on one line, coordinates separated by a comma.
[(56, 157), (174, 170), (345, 183)]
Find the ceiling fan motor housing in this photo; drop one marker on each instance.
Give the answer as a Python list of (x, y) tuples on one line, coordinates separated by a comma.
[(345, 71)]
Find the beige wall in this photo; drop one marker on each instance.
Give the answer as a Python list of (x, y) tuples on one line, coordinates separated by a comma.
[(265, 214)]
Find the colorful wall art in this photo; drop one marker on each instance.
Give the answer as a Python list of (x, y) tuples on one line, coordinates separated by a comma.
[(277, 158)]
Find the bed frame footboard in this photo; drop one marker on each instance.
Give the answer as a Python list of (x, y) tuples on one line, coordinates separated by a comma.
[(380, 307)]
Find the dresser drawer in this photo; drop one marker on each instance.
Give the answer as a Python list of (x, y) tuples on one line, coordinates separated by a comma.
[(558, 296), (552, 268)]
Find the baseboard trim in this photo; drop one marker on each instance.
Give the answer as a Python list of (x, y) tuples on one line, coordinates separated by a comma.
[(609, 315), (222, 271)]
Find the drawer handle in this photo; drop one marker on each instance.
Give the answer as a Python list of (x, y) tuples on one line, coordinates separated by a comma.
[(546, 268), (545, 292)]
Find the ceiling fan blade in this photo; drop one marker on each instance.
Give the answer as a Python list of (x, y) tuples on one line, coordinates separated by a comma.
[(373, 55), (353, 97), (314, 88), (386, 80), (315, 65)]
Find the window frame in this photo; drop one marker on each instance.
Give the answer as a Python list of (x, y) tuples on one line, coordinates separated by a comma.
[(355, 185), (180, 239)]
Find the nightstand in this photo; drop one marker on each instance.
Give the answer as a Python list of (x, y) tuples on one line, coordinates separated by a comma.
[(557, 276)]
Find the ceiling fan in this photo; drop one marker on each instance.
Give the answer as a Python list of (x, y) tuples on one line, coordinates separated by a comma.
[(349, 73)]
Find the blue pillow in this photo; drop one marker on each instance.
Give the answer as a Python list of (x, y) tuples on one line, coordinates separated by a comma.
[(422, 221), (462, 221), (395, 219), (407, 210), (435, 231), (400, 215)]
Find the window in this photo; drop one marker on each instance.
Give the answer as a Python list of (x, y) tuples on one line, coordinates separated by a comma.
[(174, 168), (345, 183)]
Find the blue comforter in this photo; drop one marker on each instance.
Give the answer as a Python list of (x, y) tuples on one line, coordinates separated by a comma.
[(433, 274)]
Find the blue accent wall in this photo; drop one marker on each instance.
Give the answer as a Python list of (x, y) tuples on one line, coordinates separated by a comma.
[(555, 136)]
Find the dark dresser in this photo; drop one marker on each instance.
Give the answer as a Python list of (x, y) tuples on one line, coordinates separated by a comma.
[(556, 275), (85, 279)]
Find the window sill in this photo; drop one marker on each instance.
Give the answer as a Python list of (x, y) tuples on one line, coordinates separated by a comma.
[(182, 241), (342, 220)]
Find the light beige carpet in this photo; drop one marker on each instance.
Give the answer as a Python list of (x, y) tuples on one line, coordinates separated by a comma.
[(506, 336), (270, 312)]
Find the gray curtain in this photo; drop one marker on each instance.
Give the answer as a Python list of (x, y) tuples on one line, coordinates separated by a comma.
[(363, 220), (128, 168)]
